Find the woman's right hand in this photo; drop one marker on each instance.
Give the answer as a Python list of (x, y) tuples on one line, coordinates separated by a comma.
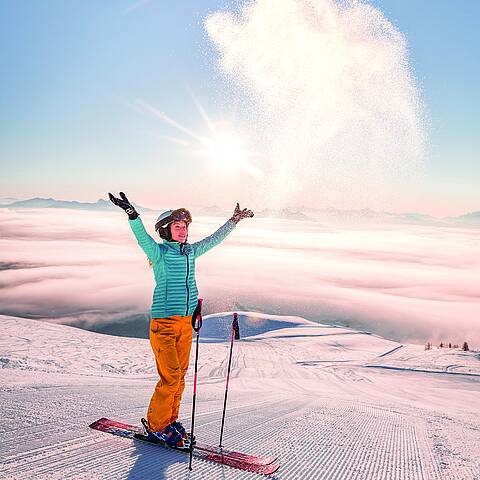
[(124, 204)]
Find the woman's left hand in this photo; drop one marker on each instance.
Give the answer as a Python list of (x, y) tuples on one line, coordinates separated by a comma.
[(239, 214)]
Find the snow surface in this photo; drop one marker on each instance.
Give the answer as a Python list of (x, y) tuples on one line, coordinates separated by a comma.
[(330, 402)]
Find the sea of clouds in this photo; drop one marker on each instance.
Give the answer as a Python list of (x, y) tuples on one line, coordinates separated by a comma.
[(407, 282)]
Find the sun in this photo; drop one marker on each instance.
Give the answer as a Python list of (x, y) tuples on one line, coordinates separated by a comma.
[(226, 150), (222, 145)]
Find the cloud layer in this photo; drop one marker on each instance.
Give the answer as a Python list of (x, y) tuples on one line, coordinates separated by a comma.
[(406, 282)]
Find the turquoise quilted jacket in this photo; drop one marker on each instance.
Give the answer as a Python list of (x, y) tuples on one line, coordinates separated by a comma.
[(174, 269)]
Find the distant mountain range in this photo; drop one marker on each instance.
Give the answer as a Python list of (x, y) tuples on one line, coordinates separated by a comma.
[(299, 213), (52, 203), (7, 200), (474, 217)]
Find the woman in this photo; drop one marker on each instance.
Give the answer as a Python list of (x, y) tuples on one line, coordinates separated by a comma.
[(174, 300)]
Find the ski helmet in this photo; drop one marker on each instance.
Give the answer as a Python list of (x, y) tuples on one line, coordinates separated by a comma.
[(166, 218)]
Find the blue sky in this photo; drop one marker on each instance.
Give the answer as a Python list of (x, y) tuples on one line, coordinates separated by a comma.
[(72, 71), (444, 42)]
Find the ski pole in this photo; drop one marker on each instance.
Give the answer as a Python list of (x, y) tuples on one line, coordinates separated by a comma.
[(196, 325), (234, 330)]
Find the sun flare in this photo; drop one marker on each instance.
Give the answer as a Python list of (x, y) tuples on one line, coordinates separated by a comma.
[(227, 152), (223, 147)]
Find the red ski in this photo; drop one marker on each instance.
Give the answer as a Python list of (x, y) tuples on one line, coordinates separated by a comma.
[(242, 461)]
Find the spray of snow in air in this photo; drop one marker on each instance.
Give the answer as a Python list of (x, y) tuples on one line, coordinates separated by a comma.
[(335, 106)]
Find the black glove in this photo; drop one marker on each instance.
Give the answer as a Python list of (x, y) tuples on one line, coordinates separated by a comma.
[(241, 214), (123, 203)]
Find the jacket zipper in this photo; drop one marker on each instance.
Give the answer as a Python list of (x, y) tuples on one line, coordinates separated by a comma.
[(186, 283)]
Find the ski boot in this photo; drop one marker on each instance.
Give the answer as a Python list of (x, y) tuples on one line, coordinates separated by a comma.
[(186, 436), (169, 435)]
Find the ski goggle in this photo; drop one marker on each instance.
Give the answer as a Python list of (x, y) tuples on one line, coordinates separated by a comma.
[(182, 214)]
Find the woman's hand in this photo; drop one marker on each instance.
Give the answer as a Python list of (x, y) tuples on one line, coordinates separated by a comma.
[(241, 214), (124, 204)]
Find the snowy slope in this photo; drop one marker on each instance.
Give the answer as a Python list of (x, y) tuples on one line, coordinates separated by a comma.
[(303, 392), (444, 360)]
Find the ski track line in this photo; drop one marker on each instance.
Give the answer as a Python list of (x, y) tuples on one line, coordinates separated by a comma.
[(391, 351), (81, 459), (61, 453), (238, 433), (131, 451), (356, 455), (335, 467), (59, 424), (45, 450), (360, 443), (232, 417), (68, 455), (120, 466), (419, 370), (57, 430)]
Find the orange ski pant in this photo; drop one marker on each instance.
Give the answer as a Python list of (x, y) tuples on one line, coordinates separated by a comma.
[(171, 341)]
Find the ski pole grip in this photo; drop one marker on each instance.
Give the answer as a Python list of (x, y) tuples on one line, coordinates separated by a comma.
[(197, 316)]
